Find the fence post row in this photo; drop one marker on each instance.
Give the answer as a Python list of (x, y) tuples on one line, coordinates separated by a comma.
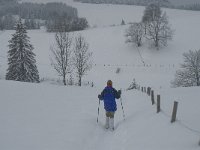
[(175, 107), (174, 112)]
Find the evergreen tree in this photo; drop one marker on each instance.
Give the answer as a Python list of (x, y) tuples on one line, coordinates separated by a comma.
[(123, 22), (21, 61)]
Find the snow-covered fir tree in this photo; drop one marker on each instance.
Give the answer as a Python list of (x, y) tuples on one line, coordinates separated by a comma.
[(21, 59)]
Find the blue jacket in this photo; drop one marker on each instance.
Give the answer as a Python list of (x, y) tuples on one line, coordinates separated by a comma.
[(108, 95)]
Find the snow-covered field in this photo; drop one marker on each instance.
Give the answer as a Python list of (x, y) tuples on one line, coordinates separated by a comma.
[(50, 116), (38, 117)]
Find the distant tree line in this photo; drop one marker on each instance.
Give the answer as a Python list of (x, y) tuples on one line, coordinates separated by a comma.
[(195, 7), (7, 1), (164, 3), (52, 15)]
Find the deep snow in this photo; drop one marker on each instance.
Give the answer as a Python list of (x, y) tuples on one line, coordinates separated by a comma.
[(39, 116), (51, 116)]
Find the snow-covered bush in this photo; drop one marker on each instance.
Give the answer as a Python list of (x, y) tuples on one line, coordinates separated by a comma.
[(189, 74), (118, 70), (133, 85)]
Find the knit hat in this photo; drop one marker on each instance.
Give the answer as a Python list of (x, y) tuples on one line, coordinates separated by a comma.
[(109, 83)]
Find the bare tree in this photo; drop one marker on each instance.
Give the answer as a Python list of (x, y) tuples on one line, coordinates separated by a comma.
[(157, 27), (150, 13), (61, 60), (189, 74), (82, 57), (135, 33)]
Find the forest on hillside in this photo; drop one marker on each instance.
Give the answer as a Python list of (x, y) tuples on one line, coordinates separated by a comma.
[(128, 2), (192, 5), (54, 16)]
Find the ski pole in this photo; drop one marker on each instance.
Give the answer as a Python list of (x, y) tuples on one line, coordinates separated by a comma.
[(122, 107), (98, 112)]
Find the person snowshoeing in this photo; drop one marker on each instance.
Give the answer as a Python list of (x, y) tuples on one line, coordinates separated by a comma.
[(108, 95)]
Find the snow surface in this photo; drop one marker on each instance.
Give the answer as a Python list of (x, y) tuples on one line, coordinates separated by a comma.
[(50, 116), (39, 116)]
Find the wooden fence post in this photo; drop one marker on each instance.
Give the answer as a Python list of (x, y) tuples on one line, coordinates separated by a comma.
[(149, 91), (152, 97), (174, 111), (158, 103)]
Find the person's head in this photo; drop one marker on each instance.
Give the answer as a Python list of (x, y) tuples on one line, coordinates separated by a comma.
[(109, 83)]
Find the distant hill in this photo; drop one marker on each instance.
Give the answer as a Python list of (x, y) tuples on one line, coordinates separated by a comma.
[(7, 1), (128, 2), (51, 15), (179, 4), (184, 2)]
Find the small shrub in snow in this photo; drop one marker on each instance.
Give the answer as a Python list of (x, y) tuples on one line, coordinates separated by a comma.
[(133, 85), (118, 70), (123, 22)]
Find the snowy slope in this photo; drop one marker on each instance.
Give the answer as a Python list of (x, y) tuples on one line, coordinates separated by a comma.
[(50, 116), (55, 117)]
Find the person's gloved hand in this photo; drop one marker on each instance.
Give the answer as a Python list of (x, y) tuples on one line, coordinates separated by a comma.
[(119, 92), (99, 96)]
